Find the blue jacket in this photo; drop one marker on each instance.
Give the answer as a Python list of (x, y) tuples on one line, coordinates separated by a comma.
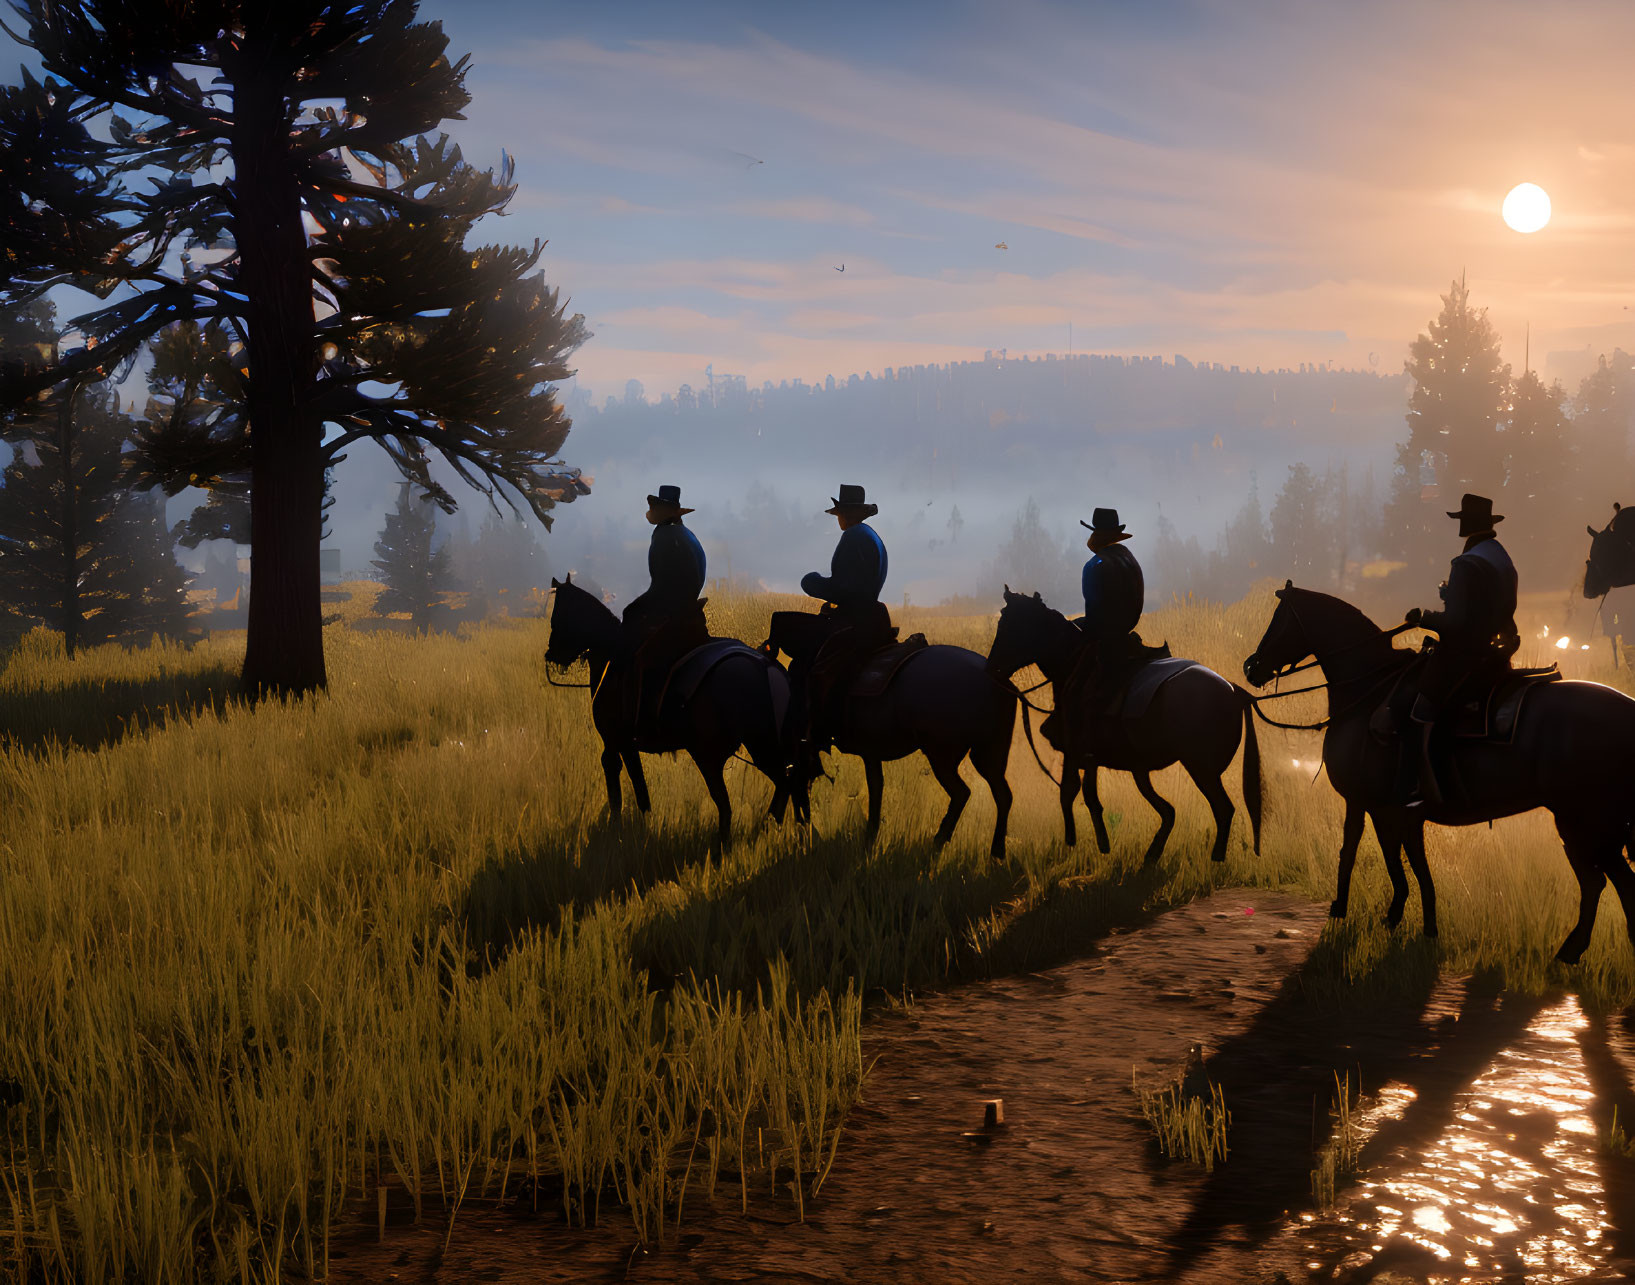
[(1479, 600), (675, 566), (1114, 592), (857, 572)]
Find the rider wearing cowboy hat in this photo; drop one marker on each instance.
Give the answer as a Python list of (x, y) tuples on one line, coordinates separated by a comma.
[(1114, 593), (1476, 629), (851, 595), (666, 621)]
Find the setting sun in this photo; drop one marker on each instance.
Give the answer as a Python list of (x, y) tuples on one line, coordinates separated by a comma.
[(1527, 207)]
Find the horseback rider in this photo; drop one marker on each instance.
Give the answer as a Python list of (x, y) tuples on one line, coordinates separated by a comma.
[(666, 621), (1114, 593), (1476, 630), (860, 623)]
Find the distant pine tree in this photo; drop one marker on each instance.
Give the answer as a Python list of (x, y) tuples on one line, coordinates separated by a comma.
[(1603, 418), (79, 552), (504, 563), (415, 574), (1459, 399), (1538, 493)]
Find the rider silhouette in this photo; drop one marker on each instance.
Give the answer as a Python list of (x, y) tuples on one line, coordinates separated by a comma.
[(851, 595), (666, 621), (1476, 629), (1114, 592)]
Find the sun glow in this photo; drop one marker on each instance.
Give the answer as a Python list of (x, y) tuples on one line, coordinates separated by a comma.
[(1526, 207)]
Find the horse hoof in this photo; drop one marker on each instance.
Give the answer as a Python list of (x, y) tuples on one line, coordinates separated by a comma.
[(1568, 956), (1218, 856), (1430, 930), (1336, 910)]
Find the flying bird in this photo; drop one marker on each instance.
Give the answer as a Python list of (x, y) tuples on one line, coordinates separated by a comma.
[(841, 268), (750, 161), (1000, 245)]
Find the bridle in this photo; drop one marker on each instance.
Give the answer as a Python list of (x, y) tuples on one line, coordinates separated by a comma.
[(1388, 670)]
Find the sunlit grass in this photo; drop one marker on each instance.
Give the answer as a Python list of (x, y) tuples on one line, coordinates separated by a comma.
[(259, 965)]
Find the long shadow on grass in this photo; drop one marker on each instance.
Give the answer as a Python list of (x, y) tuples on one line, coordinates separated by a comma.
[(93, 714), (897, 920), (1278, 1080), (531, 888)]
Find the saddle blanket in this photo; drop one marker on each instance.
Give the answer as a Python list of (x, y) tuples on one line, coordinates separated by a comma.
[(1146, 681), (880, 668), (1495, 719), (689, 673)]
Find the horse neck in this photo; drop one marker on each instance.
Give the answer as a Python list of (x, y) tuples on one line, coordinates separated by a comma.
[(1346, 643), (1058, 644), (595, 621)]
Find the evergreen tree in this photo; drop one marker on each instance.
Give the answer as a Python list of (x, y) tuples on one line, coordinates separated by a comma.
[(504, 562), (1539, 484), (1032, 561), (1304, 531), (1458, 402), (80, 552), (415, 574), (1244, 553), (195, 433), (1603, 416), (286, 145)]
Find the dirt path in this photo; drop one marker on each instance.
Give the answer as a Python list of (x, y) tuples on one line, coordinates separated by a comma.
[(1071, 1186)]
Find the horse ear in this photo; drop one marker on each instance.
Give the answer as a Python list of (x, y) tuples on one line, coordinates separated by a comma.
[(1007, 593), (555, 583), (1036, 596), (1592, 530), (1288, 584), (1616, 507)]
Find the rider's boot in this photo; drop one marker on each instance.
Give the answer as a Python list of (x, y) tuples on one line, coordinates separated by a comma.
[(1423, 718)]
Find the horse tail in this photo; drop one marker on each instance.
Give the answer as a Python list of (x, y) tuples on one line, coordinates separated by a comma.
[(1251, 764)]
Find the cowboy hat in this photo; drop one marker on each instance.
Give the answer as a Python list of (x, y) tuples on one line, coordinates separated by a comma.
[(851, 501)]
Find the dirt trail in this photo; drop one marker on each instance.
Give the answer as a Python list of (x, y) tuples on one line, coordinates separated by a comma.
[(1071, 1186)]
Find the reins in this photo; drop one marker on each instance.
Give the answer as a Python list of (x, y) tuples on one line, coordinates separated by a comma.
[(1390, 667)]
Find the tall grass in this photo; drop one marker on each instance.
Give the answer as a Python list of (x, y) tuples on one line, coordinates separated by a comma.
[(263, 968)]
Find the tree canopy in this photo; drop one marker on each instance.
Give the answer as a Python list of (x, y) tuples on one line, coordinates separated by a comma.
[(268, 174)]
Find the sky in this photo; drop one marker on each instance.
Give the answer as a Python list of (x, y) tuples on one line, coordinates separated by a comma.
[(1245, 181), (1254, 183)]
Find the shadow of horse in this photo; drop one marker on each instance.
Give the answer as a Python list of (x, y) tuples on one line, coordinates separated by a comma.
[(1433, 1040)]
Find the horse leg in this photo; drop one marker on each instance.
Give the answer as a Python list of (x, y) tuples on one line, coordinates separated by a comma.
[(1069, 791), (1413, 841), (610, 772), (1092, 800), (1591, 880), (1166, 816), (1220, 804), (990, 763), (638, 781), (716, 782), (875, 775), (946, 771), (1623, 882), (1391, 844), (1350, 837)]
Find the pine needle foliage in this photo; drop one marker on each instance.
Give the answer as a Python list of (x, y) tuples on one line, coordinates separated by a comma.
[(415, 574), (271, 169)]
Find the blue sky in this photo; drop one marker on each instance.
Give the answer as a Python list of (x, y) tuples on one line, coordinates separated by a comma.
[(1260, 183)]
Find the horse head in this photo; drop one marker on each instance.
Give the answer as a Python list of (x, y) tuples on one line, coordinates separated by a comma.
[(1283, 645), (1611, 563), (1029, 632), (581, 625)]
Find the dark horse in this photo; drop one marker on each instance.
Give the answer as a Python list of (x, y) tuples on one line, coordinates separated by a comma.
[(1571, 753), (1197, 718), (942, 703), (738, 703), (1611, 565)]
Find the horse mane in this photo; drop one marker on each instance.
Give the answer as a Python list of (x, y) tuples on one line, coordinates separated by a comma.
[(590, 612), (1337, 608)]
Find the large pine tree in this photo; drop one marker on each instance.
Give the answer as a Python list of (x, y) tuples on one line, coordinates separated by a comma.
[(415, 573), (1538, 495), (285, 147), (1458, 402), (80, 552)]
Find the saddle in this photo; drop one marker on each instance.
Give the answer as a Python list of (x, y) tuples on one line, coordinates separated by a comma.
[(687, 675), (882, 666), (1493, 715)]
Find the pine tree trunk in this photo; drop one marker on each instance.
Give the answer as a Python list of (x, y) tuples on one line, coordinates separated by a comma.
[(285, 651)]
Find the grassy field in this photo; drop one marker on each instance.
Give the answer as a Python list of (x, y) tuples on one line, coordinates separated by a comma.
[(263, 969)]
